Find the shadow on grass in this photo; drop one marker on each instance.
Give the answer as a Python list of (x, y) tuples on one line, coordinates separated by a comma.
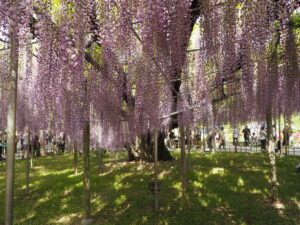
[(224, 188)]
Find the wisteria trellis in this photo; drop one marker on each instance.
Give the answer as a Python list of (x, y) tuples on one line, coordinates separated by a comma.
[(127, 55)]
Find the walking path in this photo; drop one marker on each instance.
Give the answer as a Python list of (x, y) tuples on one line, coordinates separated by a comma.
[(250, 149)]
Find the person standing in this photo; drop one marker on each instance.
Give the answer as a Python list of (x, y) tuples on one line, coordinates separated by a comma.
[(4, 143), (197, 138), (61, 143), (36, 146), (210, 139), (172, 139), (22, 144), (274, 132), (53, 141), (221, 138), (25, 143), (235, 136), (286, 135), (263, 139), (253, 139), (246, 132)]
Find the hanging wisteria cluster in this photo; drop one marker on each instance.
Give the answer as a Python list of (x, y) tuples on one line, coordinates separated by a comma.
[(126, 62), (249, 60), (11, 15)]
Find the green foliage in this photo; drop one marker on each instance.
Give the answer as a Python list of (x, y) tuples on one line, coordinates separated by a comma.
[(296, 20), (224, 188)]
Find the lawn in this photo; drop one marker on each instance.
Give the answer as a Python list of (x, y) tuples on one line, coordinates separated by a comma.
[(224, 188)]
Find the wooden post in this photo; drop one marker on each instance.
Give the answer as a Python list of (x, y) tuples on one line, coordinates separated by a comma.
[(30, 149), (86, 160), (156, 169), (99, 159), (203, 138), (284, 138), (27, 162), (75, 147), (43, 143), (183, 160), (272, 156), (86, 171), (11, 118), (189, 146), (279, 134), (235, 146)]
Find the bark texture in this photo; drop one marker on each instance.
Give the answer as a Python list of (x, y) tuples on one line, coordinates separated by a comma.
[(143, 148)]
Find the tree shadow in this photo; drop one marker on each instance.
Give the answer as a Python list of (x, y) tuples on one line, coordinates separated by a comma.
[(224, 188)]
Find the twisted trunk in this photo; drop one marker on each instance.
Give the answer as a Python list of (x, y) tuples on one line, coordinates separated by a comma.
[(142, 148)]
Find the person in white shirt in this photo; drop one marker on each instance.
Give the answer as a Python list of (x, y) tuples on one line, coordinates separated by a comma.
[(253, 139), (263, 138), (274, 132), (235, 136)]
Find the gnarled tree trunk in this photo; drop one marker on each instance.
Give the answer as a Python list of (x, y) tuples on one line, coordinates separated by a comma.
[(143, 148)]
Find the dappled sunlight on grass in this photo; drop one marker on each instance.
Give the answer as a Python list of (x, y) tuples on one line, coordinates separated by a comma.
[(44, 199), (29, 216), (240, 182), (118, 184), (217, 170), (121, 199), (66, 219), (75, 175), (44, 172), (256, 191), (98, 202), (223, 188), (297, 202)]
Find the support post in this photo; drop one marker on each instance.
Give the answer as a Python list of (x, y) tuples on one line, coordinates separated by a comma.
[(156, 169), (183, 160), (189, 146), (11, 118), (27, 162), (86, 171), (272, 156), (75, 147), (203, 138), (30, 149)]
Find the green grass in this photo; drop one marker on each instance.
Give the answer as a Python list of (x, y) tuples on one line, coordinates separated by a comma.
[(224, 188)]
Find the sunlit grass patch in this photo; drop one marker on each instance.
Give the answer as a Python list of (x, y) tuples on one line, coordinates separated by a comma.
[(223, 188)]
